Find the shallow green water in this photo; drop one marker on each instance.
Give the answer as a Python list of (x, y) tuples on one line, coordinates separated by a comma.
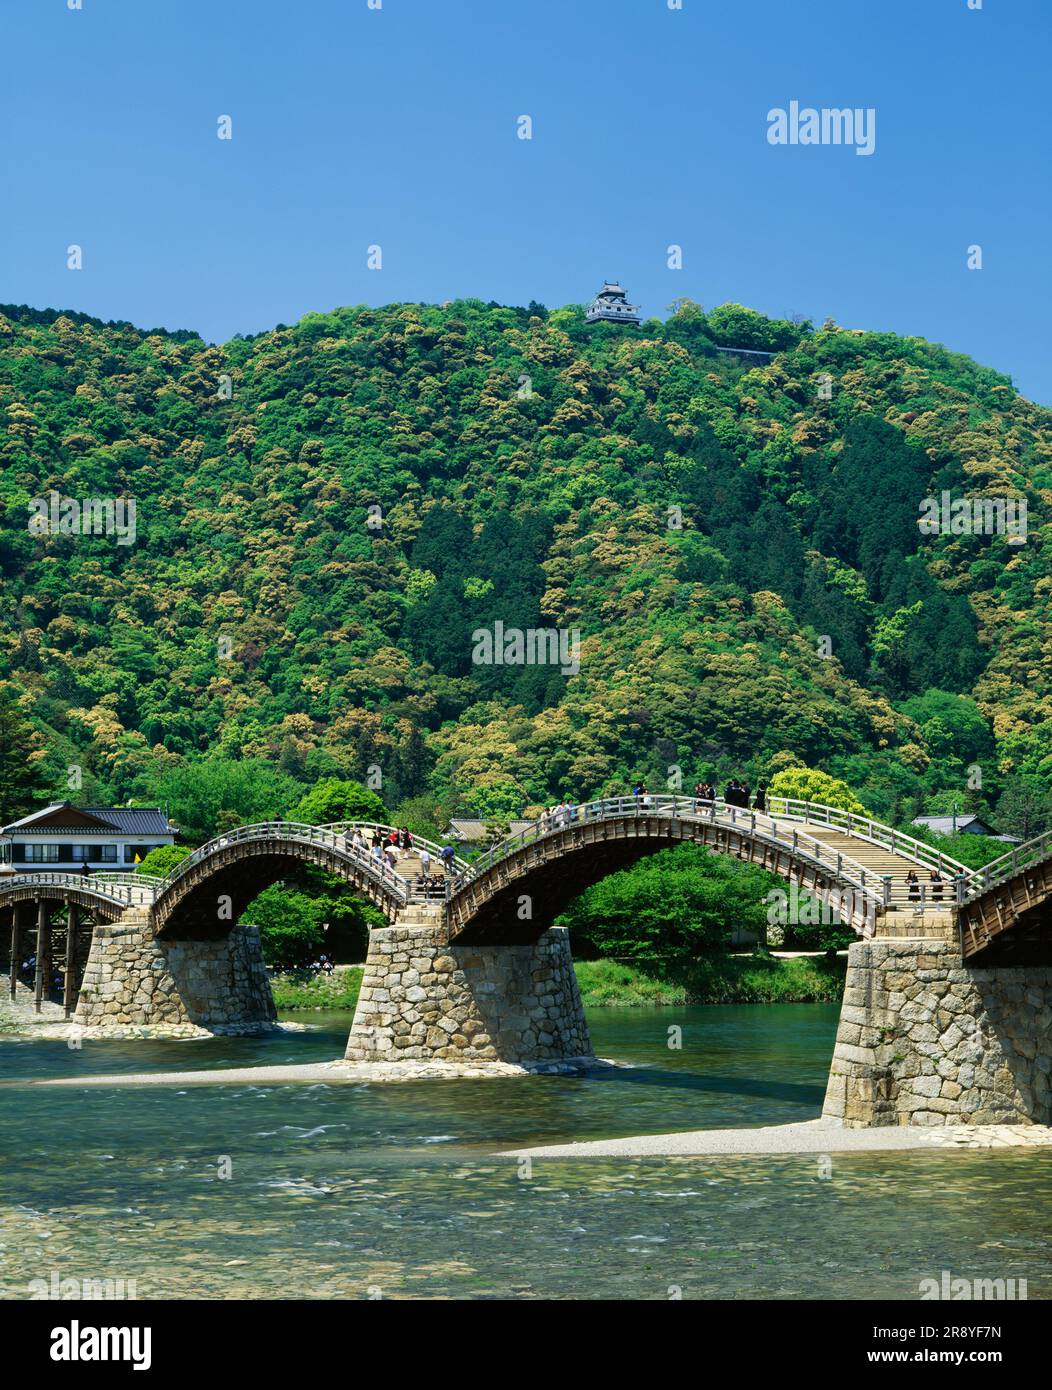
[(336, 1191)]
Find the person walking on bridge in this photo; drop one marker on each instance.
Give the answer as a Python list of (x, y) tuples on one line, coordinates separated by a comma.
[(760, 802), (425, 861), (914, 889)]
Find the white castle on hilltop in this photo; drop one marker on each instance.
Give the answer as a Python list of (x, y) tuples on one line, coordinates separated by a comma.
[(611, 304)]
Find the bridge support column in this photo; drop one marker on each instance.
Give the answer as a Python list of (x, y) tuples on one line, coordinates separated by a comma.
[(68, 980), (424, 999), (16, 946), (925, 1040), (43, 954), (134, 979)]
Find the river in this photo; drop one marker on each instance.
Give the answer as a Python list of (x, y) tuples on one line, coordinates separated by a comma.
[(392, 1191)]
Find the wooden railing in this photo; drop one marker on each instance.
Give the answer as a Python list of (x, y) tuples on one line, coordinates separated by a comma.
[(1008, 865), (866, 828), (283, 831), (118, 888)]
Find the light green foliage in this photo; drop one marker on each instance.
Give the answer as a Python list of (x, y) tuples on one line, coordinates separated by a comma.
[(810, 784), (419, 586), (713, 979), (205, 798), (302, 989), (163, 859), (310, 914)]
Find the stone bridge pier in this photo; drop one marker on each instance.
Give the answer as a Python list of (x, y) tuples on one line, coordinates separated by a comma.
[(925, 1039), (426, 998), (133, 978)]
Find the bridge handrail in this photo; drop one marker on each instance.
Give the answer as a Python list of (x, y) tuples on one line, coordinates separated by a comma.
[(119, 876), (1005, 867), (276, 829), (866, 828), (870, 885), (93, 883)]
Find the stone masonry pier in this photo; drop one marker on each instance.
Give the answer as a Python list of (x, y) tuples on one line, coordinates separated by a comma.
[(425, 999), (135, 979), (926, 1040)]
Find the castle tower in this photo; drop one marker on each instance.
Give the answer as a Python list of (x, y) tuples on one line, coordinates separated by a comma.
[(611, 304)]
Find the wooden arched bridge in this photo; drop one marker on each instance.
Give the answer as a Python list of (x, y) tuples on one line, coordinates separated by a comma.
[(947, 1009), (516, 890)]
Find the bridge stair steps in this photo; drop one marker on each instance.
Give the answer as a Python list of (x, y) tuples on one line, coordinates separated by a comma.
[(881, 862)]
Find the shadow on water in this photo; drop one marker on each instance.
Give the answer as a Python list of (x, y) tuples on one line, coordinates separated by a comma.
[(759, 1089)]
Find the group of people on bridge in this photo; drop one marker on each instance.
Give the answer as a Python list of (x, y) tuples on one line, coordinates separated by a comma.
[(736, 793), (388, 850), (920, 892)]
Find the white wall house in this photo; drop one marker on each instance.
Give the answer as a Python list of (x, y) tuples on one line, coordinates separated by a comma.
[(65, 838)]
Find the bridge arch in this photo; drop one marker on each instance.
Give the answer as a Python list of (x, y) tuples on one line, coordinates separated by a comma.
[(207, 893), (554, 864)]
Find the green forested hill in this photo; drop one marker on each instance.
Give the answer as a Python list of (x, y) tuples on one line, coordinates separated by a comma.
[(526, 467)]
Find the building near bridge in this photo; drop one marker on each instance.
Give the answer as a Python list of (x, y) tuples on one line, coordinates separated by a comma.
[(964, 823), (476, 832), (67, 839)]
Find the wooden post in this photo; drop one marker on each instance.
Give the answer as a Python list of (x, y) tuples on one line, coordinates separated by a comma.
[(71, 958), (42, 946), (16, 945)]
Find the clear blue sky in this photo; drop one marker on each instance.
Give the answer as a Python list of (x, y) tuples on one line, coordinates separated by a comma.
[(354, 126)]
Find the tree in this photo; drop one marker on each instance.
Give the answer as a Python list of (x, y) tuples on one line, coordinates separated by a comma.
[(310, 913), (334, 799), (809, 784), (953, 729), (22, 781), (290, 925), (162, 860), (732, 325), (217, 793), (670, 908), (1025, 808), (426, 815)]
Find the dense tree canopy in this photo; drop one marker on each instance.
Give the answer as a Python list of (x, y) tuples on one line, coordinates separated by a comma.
[(734, 541), (22, 779), (673, 906)]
